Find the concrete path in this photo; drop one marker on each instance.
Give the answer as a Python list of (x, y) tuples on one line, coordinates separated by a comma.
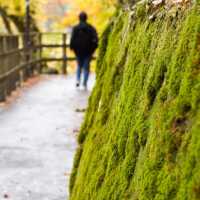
[(38, 140)]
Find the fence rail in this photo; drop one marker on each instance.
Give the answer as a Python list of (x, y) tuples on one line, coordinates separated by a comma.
[(19, 61)]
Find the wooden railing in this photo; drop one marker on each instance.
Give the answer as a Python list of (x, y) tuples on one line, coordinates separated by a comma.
[(18, 61)]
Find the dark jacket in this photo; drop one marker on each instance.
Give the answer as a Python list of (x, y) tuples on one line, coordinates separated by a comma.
[(84, 39)]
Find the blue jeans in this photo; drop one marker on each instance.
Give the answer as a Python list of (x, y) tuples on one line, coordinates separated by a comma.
[(83, 65)]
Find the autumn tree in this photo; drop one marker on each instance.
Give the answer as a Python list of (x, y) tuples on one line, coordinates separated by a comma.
[(57, 15), (13, 12)]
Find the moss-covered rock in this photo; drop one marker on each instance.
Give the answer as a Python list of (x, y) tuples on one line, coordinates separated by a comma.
[(141, 135)]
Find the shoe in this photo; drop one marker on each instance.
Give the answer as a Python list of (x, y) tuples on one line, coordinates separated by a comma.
[(85, 87)]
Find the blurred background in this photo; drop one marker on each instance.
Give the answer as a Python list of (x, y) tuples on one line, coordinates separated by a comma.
[(53, 16)]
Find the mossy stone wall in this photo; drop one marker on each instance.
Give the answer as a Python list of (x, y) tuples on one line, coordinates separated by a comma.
[(141, 136)]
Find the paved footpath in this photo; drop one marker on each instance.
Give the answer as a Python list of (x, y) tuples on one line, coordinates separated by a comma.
[(38, 139)]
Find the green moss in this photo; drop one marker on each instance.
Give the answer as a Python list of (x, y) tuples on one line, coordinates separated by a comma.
[(140, 139)]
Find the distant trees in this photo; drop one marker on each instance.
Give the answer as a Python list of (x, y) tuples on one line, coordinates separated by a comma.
[(12, 12), (53, 15), (60, 14)]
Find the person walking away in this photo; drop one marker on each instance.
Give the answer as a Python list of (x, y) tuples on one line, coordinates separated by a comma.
[(84, 41)]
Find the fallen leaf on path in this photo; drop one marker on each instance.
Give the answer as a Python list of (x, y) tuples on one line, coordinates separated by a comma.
[(76, 130), (67, 174), (80, 110), (6, 196)]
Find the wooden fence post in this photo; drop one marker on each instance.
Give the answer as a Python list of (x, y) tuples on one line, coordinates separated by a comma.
[(40, 52), (16, 61), (64, 68), (2, 82), (24, 58), (6, 65)]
